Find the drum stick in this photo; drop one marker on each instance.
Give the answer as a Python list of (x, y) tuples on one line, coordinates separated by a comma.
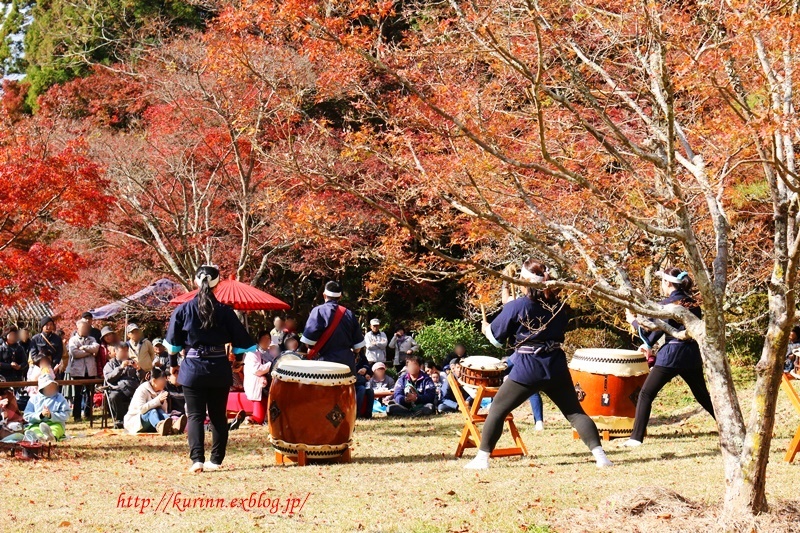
[(483, 313)]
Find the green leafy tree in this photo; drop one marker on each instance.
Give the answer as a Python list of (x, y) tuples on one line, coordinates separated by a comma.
[(438, 339), (66, 36)]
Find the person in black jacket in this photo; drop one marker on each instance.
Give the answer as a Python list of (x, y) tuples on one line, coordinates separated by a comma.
[(13, 359), (675, 358), (122, 379), (364, 396), (49, 337)]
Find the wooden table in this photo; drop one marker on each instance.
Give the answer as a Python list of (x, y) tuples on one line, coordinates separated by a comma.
[(786, 385), (471, 435), (75, 382)]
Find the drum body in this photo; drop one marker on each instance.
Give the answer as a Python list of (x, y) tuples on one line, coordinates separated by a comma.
[(607, 383), (481, 370), (311, 407)]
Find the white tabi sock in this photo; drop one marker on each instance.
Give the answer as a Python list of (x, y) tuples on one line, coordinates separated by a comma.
[(481, 461), (600, 457), (632, 443)]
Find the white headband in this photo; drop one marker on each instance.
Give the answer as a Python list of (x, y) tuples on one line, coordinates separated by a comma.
[(672, 279), (212, 282), (330, 294), (524, 273)]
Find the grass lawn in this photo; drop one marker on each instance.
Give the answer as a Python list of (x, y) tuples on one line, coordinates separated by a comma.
[(403, 478)]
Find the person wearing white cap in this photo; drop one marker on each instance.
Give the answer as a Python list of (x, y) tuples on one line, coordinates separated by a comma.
[(141, 350), (381, 384), (675, 358), (46, 412), (82, 349), (376, 342)]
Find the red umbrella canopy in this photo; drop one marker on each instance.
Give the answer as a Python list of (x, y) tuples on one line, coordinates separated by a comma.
[(240, 296)]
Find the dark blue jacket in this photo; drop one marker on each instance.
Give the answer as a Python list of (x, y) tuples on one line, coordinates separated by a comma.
[(528, 324), (50, 340), (448, 394), (426, 389), (13, 353), (675, 353), (346, 338), (186, 331)]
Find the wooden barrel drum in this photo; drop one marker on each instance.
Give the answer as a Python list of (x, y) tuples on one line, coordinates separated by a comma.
[(607, 383), (311, 407), (481, 370)]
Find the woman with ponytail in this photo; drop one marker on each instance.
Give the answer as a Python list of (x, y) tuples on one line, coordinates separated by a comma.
[(534, 324), (676, 357), (201, 328)]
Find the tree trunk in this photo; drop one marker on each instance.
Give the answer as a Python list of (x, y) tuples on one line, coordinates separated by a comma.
[(750, 493), (730, 421)]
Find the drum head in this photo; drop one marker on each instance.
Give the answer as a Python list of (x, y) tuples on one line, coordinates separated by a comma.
[(313, 372), (609, 361), (483, 362), (284, 358)]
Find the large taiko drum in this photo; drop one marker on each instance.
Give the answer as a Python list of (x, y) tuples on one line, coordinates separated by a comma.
[(607, 383), (481, 370), (311, 407)]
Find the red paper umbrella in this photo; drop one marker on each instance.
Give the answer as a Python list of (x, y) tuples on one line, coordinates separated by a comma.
[(240, 296)]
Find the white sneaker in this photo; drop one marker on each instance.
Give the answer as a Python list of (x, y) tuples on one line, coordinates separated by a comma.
[(208, 465), (480, 462), (539, 426), (14, 426), (47, 432), (196, 468), (631, 443), (30, 436), (604, 463), (600, 458)]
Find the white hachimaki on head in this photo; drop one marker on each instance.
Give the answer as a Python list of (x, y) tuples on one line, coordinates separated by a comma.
[(207, 272), (333, 290)]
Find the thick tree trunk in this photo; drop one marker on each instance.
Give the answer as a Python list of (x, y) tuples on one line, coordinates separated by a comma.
[(750, 494), (730, 421)]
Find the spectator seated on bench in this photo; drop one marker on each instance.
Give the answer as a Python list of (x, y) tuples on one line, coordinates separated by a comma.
[(122, 380)]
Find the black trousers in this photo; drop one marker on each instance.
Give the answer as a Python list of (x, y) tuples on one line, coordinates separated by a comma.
[(660, 376), (214, 400), (560, 390), (119, 402), (77, 398)]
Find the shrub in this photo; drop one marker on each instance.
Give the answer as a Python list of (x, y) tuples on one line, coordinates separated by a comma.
[(437, 340), (593, 338)]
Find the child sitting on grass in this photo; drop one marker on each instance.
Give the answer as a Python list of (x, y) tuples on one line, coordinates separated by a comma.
[(46, 412), (10, 417)]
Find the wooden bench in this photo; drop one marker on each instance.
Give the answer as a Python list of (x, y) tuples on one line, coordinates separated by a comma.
[(92, 382)]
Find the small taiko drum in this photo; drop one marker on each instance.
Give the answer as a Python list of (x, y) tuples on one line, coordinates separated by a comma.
[(311, 407), (607, 383), (481, 370)]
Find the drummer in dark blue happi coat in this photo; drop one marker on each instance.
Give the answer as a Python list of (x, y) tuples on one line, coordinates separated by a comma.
[(535, 325), (676, 357), (346, 339)]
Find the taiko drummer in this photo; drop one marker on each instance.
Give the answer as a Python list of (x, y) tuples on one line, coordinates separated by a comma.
[(676, 357), (202, 327), (535, 325)]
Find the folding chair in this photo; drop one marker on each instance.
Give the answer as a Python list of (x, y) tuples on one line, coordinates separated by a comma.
[(107, 409), (786, 385)]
